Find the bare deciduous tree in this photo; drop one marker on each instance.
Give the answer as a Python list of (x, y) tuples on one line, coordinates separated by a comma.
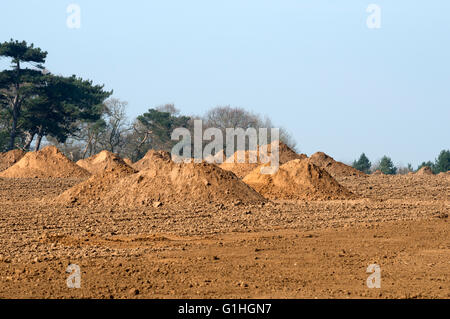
[(223, 117), (117, 126)]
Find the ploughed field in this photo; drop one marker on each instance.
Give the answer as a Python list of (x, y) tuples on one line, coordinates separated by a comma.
[(206, 233)]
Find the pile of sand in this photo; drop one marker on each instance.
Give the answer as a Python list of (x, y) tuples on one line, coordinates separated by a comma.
[(128, 161), (93, 190), (298, 180), (103, 161), (8, 159), (424, 171), (149, 159), (164, 182), (334, 168), (286, 154), (240, 169), (47, 163), (218, 158)]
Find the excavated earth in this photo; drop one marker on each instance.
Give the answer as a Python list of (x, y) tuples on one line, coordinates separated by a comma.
[(334, 168), (162, 182), (234, 245), (242, 163), (297, 179), (103, 161), (10, 158), (47, 163)]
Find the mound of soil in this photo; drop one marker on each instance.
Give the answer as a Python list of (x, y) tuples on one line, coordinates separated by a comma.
[(103, 161), (424, 171), (299, 180), (149, 159), (93, 190), (128, 161), (240, 169), (164, 182), (334, 168), (218, 158), (286, 154), (8, 159), (47, 163)]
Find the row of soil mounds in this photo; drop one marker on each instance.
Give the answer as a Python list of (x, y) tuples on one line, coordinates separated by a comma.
[(163, 182), (157, 180), (50, 163)]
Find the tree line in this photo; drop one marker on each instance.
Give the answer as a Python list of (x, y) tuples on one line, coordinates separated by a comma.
[(386, 166), (81, 118)]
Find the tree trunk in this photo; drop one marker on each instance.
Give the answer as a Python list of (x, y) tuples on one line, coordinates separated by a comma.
[(15, 116), (15, 108), (29, 139), (38, 142), (83, 155), (12, 135), (39, 139)]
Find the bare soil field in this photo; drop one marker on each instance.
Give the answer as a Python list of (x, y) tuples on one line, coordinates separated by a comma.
[(261, 249)]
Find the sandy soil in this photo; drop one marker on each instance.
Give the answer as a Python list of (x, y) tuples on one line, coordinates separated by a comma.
[(279, 249)]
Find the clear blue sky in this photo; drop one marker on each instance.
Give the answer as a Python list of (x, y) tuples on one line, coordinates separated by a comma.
[(312, 66)]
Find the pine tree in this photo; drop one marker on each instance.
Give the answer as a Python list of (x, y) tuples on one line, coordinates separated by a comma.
[(442, 162), (363, 164), (18, 84), (386, 166), (59, 104), (154, 129)]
